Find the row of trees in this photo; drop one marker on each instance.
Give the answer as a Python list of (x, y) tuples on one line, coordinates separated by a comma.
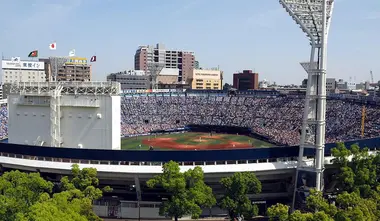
[(29, 197), (189, 193), (358, 191)]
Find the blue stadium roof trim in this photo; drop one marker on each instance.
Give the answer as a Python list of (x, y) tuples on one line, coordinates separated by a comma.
[(179, 156)]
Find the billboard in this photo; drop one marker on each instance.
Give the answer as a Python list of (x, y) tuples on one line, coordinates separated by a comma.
[(76, 61), (23, 65)]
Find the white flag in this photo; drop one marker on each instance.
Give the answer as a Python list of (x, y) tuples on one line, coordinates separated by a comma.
[(53, 46), (72, 53)]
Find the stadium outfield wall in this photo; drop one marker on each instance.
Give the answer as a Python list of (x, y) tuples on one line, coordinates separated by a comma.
[(179, 156)]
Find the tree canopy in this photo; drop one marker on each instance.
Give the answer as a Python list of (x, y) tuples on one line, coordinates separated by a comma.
[(236, 190), (357, 188), (189, 193), (28, 197)]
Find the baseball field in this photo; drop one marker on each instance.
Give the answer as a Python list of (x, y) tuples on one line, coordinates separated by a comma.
[(191, 141)]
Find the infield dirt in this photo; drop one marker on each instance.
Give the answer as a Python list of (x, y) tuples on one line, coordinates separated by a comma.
[(170, 143)]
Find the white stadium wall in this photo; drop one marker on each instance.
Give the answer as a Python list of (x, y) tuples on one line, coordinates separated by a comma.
[(87, 121), (27, 123)]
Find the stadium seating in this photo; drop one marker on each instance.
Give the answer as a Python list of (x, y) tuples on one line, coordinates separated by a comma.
[(3, 121), (278, 118)]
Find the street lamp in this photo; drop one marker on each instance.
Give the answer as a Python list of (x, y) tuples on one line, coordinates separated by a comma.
[(314, 18)]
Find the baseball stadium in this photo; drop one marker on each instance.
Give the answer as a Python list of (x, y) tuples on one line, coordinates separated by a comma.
[(285, 138), (223, 133)]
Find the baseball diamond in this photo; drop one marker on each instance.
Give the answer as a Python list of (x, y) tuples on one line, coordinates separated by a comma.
[(191, 141)]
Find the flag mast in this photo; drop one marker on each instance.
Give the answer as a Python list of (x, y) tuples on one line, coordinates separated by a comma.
[(92, 60)]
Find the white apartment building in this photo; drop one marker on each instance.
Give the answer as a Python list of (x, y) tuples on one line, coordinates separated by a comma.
[(15, 70)]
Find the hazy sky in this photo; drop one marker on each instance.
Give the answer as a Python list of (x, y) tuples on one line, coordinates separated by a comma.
[(234, 34)]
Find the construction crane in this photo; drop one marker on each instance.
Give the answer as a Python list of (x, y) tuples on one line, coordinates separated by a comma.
[(363, 120)]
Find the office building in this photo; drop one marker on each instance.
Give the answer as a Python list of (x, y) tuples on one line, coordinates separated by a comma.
[(47, 67), (247, 80), (174, 59), (74, 69), (132, 79), (330, 84), (207, 79), (15, 70)]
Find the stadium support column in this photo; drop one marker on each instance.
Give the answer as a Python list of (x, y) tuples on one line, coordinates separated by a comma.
[(55, 115), (314, 19), (138, 194)]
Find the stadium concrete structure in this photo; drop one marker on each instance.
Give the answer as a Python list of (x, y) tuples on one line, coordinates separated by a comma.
[(67, 114)]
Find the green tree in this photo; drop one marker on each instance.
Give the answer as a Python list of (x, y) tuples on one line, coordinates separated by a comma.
[(278, 212), (28, 197), (19, 191), (298, 216), (189, 193), (235, 199), (359, 190), (316, 203), (360, 174), (85, 180)]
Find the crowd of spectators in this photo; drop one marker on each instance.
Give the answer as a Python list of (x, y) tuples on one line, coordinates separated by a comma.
[(278, 118), (3, 121)]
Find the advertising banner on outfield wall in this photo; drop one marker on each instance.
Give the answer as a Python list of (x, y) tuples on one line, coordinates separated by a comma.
[(152, 91)]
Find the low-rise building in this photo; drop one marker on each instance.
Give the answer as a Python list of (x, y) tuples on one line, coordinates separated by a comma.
[(15, 70), (210, 79), (132, 79), (246, 80)]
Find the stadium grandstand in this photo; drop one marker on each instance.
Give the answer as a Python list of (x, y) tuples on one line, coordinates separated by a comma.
[(269, 114), (276, 117)]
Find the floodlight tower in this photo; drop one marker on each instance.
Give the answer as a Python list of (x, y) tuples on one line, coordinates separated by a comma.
[(314, 18), (57, 62), (154, 70)]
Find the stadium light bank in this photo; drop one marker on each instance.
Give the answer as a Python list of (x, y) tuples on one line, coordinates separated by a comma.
[(314, 18)]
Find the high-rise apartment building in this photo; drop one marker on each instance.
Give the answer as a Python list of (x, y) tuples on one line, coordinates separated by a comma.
[(247, 80), (178, 59)]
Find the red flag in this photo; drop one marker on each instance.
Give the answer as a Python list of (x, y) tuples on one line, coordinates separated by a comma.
[(93, 59)]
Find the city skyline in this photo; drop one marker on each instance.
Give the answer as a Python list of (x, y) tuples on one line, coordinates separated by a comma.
[(239, 35)]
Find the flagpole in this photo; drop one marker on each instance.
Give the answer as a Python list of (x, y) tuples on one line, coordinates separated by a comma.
[(54, 56), (92, 71)]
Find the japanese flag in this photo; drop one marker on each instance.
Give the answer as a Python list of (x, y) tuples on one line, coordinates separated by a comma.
[(53, 46)]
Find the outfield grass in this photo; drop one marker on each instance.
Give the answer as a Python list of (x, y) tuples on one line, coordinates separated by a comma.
[(133, 143)]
